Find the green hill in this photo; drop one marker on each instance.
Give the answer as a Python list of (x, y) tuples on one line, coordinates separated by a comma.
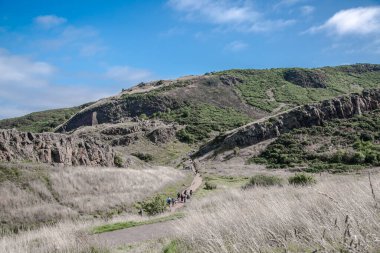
[(44, 121)]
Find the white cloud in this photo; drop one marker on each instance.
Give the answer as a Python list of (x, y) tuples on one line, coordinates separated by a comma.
[(21, 70), (49, 21), (287, 3), (127, 74), (84, 40), (307, 10), (27, 85), (237, 15), (355, 21), (218, 12), (236, 46)]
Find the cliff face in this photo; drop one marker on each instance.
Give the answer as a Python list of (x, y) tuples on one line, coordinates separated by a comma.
[(303, 116), (54, 148), (115, 109)]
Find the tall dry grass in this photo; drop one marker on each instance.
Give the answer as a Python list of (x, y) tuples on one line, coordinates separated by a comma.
[(44, 195), (336, 215), (63, 237)]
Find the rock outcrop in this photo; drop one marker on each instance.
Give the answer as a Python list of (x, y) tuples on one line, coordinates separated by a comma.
[(113, 110), (54, 148), (162, 135), (303, 116), (306, 78)]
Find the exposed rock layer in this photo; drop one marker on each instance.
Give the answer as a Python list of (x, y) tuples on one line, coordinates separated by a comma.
[(114, 110), (303, 116), (54, 148)]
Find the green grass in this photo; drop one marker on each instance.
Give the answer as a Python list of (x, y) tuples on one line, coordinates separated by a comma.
[(202, 119), (44, 121), (263, 180), (221, 183), (339, 80), (338, 146), (129, 224)]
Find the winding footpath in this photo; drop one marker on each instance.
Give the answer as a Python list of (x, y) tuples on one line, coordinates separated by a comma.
[(145, 232)]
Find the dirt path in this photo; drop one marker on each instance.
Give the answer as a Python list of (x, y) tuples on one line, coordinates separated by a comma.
[(145, 232)]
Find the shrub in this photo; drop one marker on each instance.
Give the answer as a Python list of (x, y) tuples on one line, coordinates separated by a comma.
[(143, 116), (263, 180), (118, 161), (209, 186), (301, 179), (154, 206), (358, 157), (143, 157), (366, 136), (236, 151)]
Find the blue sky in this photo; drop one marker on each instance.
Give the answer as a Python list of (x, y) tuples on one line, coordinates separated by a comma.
[(64, 53)]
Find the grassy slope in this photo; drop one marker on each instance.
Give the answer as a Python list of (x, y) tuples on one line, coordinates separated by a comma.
[(266, 90), (339, 145), (339, 80), (44, 121)]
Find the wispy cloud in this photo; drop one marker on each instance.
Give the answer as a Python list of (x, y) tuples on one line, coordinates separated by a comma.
[(237, 15), (85, 40), (355, 21), (27, 85), (49, 21), (236, 46), (22, 71), (287, 3), (307, 10), (127, 74)]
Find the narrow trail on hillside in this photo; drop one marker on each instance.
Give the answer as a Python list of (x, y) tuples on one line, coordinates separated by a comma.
[(146, 232)]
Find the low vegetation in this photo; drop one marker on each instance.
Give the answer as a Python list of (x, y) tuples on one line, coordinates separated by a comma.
[(118, 161), (339, 145), (129, 224), (203, 119), (301, 179), (34, 195), (288, 85), (263, 180), (44, 121), (321, 218), (143, 156), (210, 185)]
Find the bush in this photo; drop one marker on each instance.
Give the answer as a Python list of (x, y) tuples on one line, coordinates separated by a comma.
[(143, 116), (209, 186), (301, 179), (118, 161), (143, 157), (263, 180), (154, 206), (366, 136), (358, 158)]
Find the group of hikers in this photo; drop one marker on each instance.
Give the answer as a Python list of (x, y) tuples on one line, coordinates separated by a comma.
[(181, 198)]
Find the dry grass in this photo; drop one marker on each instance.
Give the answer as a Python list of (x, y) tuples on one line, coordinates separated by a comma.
[(63, 237), (336, 215), (44, 195), (74, 237), (92, 189)]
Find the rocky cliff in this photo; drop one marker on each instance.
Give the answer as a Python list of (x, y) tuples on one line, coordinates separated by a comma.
[(303, 116), (54, 148), (114, 110)]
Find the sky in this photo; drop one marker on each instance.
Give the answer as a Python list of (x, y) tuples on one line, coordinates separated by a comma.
[(56, 54)]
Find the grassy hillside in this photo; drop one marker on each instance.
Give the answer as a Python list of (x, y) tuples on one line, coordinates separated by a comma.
[(216, 101), (339, 145), (44, 121), (225, 100), (265, 89)]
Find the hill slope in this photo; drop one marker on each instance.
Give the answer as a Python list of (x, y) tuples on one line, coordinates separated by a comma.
[(243, 94), (44, 121)]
